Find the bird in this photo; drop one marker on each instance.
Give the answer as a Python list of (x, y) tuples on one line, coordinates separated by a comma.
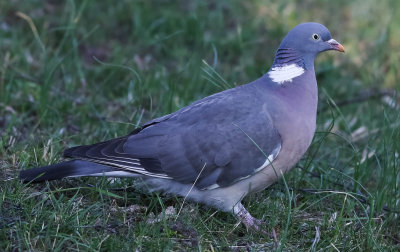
[(223, 147)]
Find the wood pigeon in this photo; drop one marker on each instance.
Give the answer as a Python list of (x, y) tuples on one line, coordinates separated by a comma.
[(218, 149)]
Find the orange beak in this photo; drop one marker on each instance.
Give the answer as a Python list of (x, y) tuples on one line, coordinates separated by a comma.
[(335, 45)]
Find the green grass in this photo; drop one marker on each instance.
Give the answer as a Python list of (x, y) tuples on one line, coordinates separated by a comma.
[(78, 72)]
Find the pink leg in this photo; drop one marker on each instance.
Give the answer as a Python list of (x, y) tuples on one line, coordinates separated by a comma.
[(245, 217)]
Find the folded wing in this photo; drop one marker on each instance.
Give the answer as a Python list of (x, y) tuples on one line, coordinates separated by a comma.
[(213, 142)]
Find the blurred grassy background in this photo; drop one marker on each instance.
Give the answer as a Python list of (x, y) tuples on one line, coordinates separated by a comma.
[(77, 72)]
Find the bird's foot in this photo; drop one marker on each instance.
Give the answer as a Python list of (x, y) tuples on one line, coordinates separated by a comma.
[(248, 221)]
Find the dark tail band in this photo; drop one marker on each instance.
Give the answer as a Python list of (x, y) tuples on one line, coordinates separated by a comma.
[(61, 170)]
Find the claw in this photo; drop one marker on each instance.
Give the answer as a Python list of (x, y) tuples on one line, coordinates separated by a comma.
[(248, 221)]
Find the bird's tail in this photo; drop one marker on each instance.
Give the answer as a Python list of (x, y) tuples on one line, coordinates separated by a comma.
[(73, 168)]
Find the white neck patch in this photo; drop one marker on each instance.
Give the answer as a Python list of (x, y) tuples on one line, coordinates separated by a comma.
[(285, 73)]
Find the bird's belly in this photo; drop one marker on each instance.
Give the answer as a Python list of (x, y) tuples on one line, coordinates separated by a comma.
[(298, 138), (295, 142), (294, 145)]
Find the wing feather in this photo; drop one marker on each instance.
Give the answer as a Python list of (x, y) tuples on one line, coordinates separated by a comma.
[(111, 153), (216, 142)]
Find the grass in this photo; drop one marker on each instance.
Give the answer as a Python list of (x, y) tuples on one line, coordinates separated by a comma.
[(78, 72)]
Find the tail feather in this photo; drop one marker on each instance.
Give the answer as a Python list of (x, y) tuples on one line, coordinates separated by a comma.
[(73, 168)]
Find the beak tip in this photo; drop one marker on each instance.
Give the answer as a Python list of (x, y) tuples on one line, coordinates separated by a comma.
[(336, 45), (341, 48)]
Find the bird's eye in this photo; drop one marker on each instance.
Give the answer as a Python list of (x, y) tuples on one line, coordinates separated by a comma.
[(315, 36)]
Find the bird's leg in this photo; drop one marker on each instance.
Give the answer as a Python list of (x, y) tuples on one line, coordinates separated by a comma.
[(245, 217)]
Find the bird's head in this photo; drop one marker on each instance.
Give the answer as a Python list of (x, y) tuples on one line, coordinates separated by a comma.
[(310, 38), (304, 42), (298, 49)]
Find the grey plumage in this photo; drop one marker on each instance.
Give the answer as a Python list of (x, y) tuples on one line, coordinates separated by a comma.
[(229, 144)]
